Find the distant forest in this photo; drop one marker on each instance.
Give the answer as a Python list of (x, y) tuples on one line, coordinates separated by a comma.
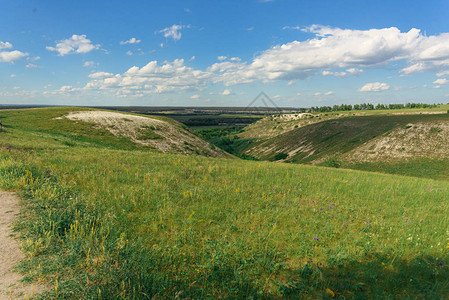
[(366, 106)]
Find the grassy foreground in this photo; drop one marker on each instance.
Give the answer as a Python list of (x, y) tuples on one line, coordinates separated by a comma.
[(103, 222)]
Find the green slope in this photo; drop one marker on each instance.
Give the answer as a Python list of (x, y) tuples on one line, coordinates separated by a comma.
[(103, 222), (53, 128), (337, 138)]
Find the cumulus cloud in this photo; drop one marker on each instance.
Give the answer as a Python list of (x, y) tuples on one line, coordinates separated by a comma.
[(331, 52), (31, 66), (173, 31), (74, 45), (196, 96), (291, 27), (444, 73), (335, 48), (151, 78), (130, 41), (441, 81), (88, 63), (5, 45), (351, 71), (101, 75), (129, 53), (64, 90), (11, 56), (323, 94), (227, 92), (374, 87)]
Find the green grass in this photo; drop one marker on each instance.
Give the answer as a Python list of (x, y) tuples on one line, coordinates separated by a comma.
[(148, 134), (103, 222), (328, 140), (419, 167)]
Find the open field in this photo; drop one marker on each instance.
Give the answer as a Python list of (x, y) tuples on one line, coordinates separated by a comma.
[(106, 218)]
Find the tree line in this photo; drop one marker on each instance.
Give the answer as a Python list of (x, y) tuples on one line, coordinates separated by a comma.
[(366, 106)]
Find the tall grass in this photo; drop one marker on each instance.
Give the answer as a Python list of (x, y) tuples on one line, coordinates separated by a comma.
[(138, 224), (105, 223)]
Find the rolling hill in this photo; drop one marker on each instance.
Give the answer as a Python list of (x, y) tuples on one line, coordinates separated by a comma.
[(105, 217), (72, 126), (358, 142)]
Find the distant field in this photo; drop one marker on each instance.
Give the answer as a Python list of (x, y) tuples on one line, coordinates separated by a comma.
[(105, 218)]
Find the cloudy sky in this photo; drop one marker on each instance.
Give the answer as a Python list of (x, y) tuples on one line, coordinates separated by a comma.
[(223, 53)]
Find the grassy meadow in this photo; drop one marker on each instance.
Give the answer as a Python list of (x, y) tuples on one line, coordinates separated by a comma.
[(105, 219)]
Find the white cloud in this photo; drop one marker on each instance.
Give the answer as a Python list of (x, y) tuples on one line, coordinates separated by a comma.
[(291, 27), (374, 87), (351, 71), (88, 63), (11, 56), (250, 28), (130, 41), (335, 48), (101, 75), (12, 75), (322, 94), (354, 71), (331, 52), (5, 45), (64, 90), (173, 31), (31, 66), (129, 53), (441, 81), (227, 92), (75, 44), (196, 96), (151, 78), (444, 73)]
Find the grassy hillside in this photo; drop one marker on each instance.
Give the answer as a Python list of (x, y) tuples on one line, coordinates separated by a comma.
[(278, 124), (104, 222), (53, 127), (401, 144)]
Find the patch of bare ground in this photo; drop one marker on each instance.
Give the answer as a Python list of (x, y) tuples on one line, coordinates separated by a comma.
[(11, 286), (147, 131), (424, 139), (275, 125)]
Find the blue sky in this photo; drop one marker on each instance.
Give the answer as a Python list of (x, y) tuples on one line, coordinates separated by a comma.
[(223, 53)]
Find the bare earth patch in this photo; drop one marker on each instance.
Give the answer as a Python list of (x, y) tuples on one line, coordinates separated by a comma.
[(147, 131), (10, 254), (422, 139)]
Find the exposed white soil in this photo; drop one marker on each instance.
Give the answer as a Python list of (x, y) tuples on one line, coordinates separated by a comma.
[(11, 286), (278, 124), (424, 139), (174, 139)]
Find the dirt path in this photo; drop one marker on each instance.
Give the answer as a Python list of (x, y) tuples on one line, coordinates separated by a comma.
[(10, 253)]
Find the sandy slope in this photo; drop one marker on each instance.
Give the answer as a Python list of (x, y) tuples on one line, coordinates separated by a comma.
[(174, 139), (10, 253)]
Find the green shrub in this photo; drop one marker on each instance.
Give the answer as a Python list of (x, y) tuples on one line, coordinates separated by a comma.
[(280, 155), (332, 162), (148, 134)]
